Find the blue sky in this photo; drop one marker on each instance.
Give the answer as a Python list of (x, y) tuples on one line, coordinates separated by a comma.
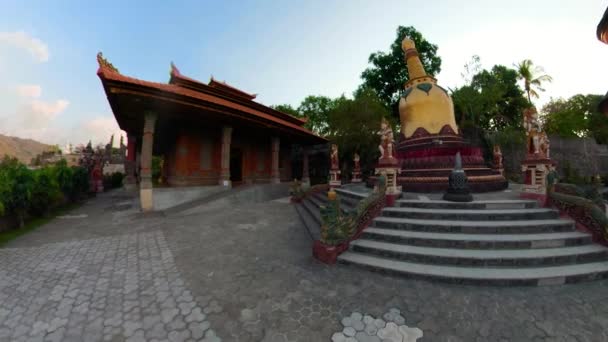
[(281, 50)]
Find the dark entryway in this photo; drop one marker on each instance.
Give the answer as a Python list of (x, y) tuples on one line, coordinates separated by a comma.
[(236, 165)]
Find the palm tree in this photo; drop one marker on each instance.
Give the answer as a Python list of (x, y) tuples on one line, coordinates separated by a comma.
[(530, 74)]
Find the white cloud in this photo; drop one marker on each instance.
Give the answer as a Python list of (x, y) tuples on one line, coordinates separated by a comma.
[(98, 130), (34, 46), (29, 90), (39, 114)]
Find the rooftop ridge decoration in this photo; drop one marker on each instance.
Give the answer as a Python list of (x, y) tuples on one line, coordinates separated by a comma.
[(227, 87), (104, 64), (174, 70)]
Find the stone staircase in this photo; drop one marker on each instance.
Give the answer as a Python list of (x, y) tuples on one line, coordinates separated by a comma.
[(309, 209), (493, 242)]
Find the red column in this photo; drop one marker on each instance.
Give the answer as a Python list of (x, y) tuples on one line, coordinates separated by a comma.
[(130, 162), (305, 175), (275, 176), (225, 156)]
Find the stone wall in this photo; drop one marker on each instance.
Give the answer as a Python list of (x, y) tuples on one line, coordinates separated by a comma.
[(582, 154)]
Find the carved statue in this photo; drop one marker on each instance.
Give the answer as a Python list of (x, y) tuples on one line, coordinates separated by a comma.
[(531, 119), (386, 139), (356, 159), (497, 157), (544, 144), (335, 164)]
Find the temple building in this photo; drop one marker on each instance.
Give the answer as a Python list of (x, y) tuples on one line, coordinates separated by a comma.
[(207, 134)]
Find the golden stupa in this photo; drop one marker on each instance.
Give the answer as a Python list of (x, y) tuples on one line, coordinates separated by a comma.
[(424, 104)]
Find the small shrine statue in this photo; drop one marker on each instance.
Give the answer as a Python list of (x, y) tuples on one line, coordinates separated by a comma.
[(357, 159), (544, 145), (530, 119), (497, 157), (335, 164), (552, 178), (386, 139)]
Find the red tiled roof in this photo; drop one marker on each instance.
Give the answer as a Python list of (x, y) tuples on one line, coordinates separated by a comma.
[(107, 72)]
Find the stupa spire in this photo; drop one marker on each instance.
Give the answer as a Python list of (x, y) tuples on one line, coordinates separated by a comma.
[(412, 59)]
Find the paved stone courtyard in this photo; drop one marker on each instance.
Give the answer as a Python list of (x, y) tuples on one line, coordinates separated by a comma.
[(246, 274)]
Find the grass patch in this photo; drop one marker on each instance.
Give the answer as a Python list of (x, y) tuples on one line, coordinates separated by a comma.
[(11, 234)]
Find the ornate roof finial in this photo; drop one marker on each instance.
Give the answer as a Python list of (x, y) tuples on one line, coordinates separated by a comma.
[(103, 63), (174, 69), (412, 59)]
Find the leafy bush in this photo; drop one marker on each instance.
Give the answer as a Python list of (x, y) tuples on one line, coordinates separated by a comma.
[(113, 181), (25, 192), (45, 192)]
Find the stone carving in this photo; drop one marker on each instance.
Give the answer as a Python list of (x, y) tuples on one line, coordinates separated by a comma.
[(458, 184), (530, 119), (386, 139), (335, 163), (497, 154), (357, 169)]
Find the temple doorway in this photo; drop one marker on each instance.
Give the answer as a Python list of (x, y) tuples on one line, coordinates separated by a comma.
[(236, 165)]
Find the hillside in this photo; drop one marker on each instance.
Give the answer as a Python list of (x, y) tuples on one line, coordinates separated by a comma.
[(23, 149)]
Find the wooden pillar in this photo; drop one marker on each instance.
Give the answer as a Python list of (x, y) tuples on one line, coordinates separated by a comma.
[(305, 175), (145, 189), (130, 180), (225, 158), (275, 176)]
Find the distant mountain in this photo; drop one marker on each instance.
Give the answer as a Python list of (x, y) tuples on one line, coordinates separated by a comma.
[(22, 149)]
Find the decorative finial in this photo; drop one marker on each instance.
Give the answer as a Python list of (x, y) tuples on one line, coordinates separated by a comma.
[(412, 59), (174, 69), (407, 44), (458, 162), (103, 63)]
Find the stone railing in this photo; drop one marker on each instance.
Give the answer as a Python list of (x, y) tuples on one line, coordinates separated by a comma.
[(338, 229), (587, 213), (299, 193)]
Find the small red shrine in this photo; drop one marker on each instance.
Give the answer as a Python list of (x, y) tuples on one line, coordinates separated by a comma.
[(207, 134)]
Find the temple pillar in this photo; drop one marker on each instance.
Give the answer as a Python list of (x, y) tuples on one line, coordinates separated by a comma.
[(225, 157), (130, 180), (305, 174), (275, 176), (145, 188)]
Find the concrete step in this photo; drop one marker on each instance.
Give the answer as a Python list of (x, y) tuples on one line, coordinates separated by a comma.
[(320, 199), (487, 204), (475, 227), (312, 209), (482, 257), (471, 215), (530, 276), (313, 227), (478, 241), (351, 194)]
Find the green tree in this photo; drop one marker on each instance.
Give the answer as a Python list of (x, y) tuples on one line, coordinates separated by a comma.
[(575, 117), (353, 124), (288, 109), (491, 101), (316, 109), (533, 77), (388, 72)]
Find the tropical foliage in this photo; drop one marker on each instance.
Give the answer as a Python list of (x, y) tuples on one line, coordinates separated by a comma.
[(30, 193), (533, 77), (387, 73), (577, 116)]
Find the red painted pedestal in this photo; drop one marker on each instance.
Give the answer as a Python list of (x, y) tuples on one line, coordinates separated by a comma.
[(328, 254)]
